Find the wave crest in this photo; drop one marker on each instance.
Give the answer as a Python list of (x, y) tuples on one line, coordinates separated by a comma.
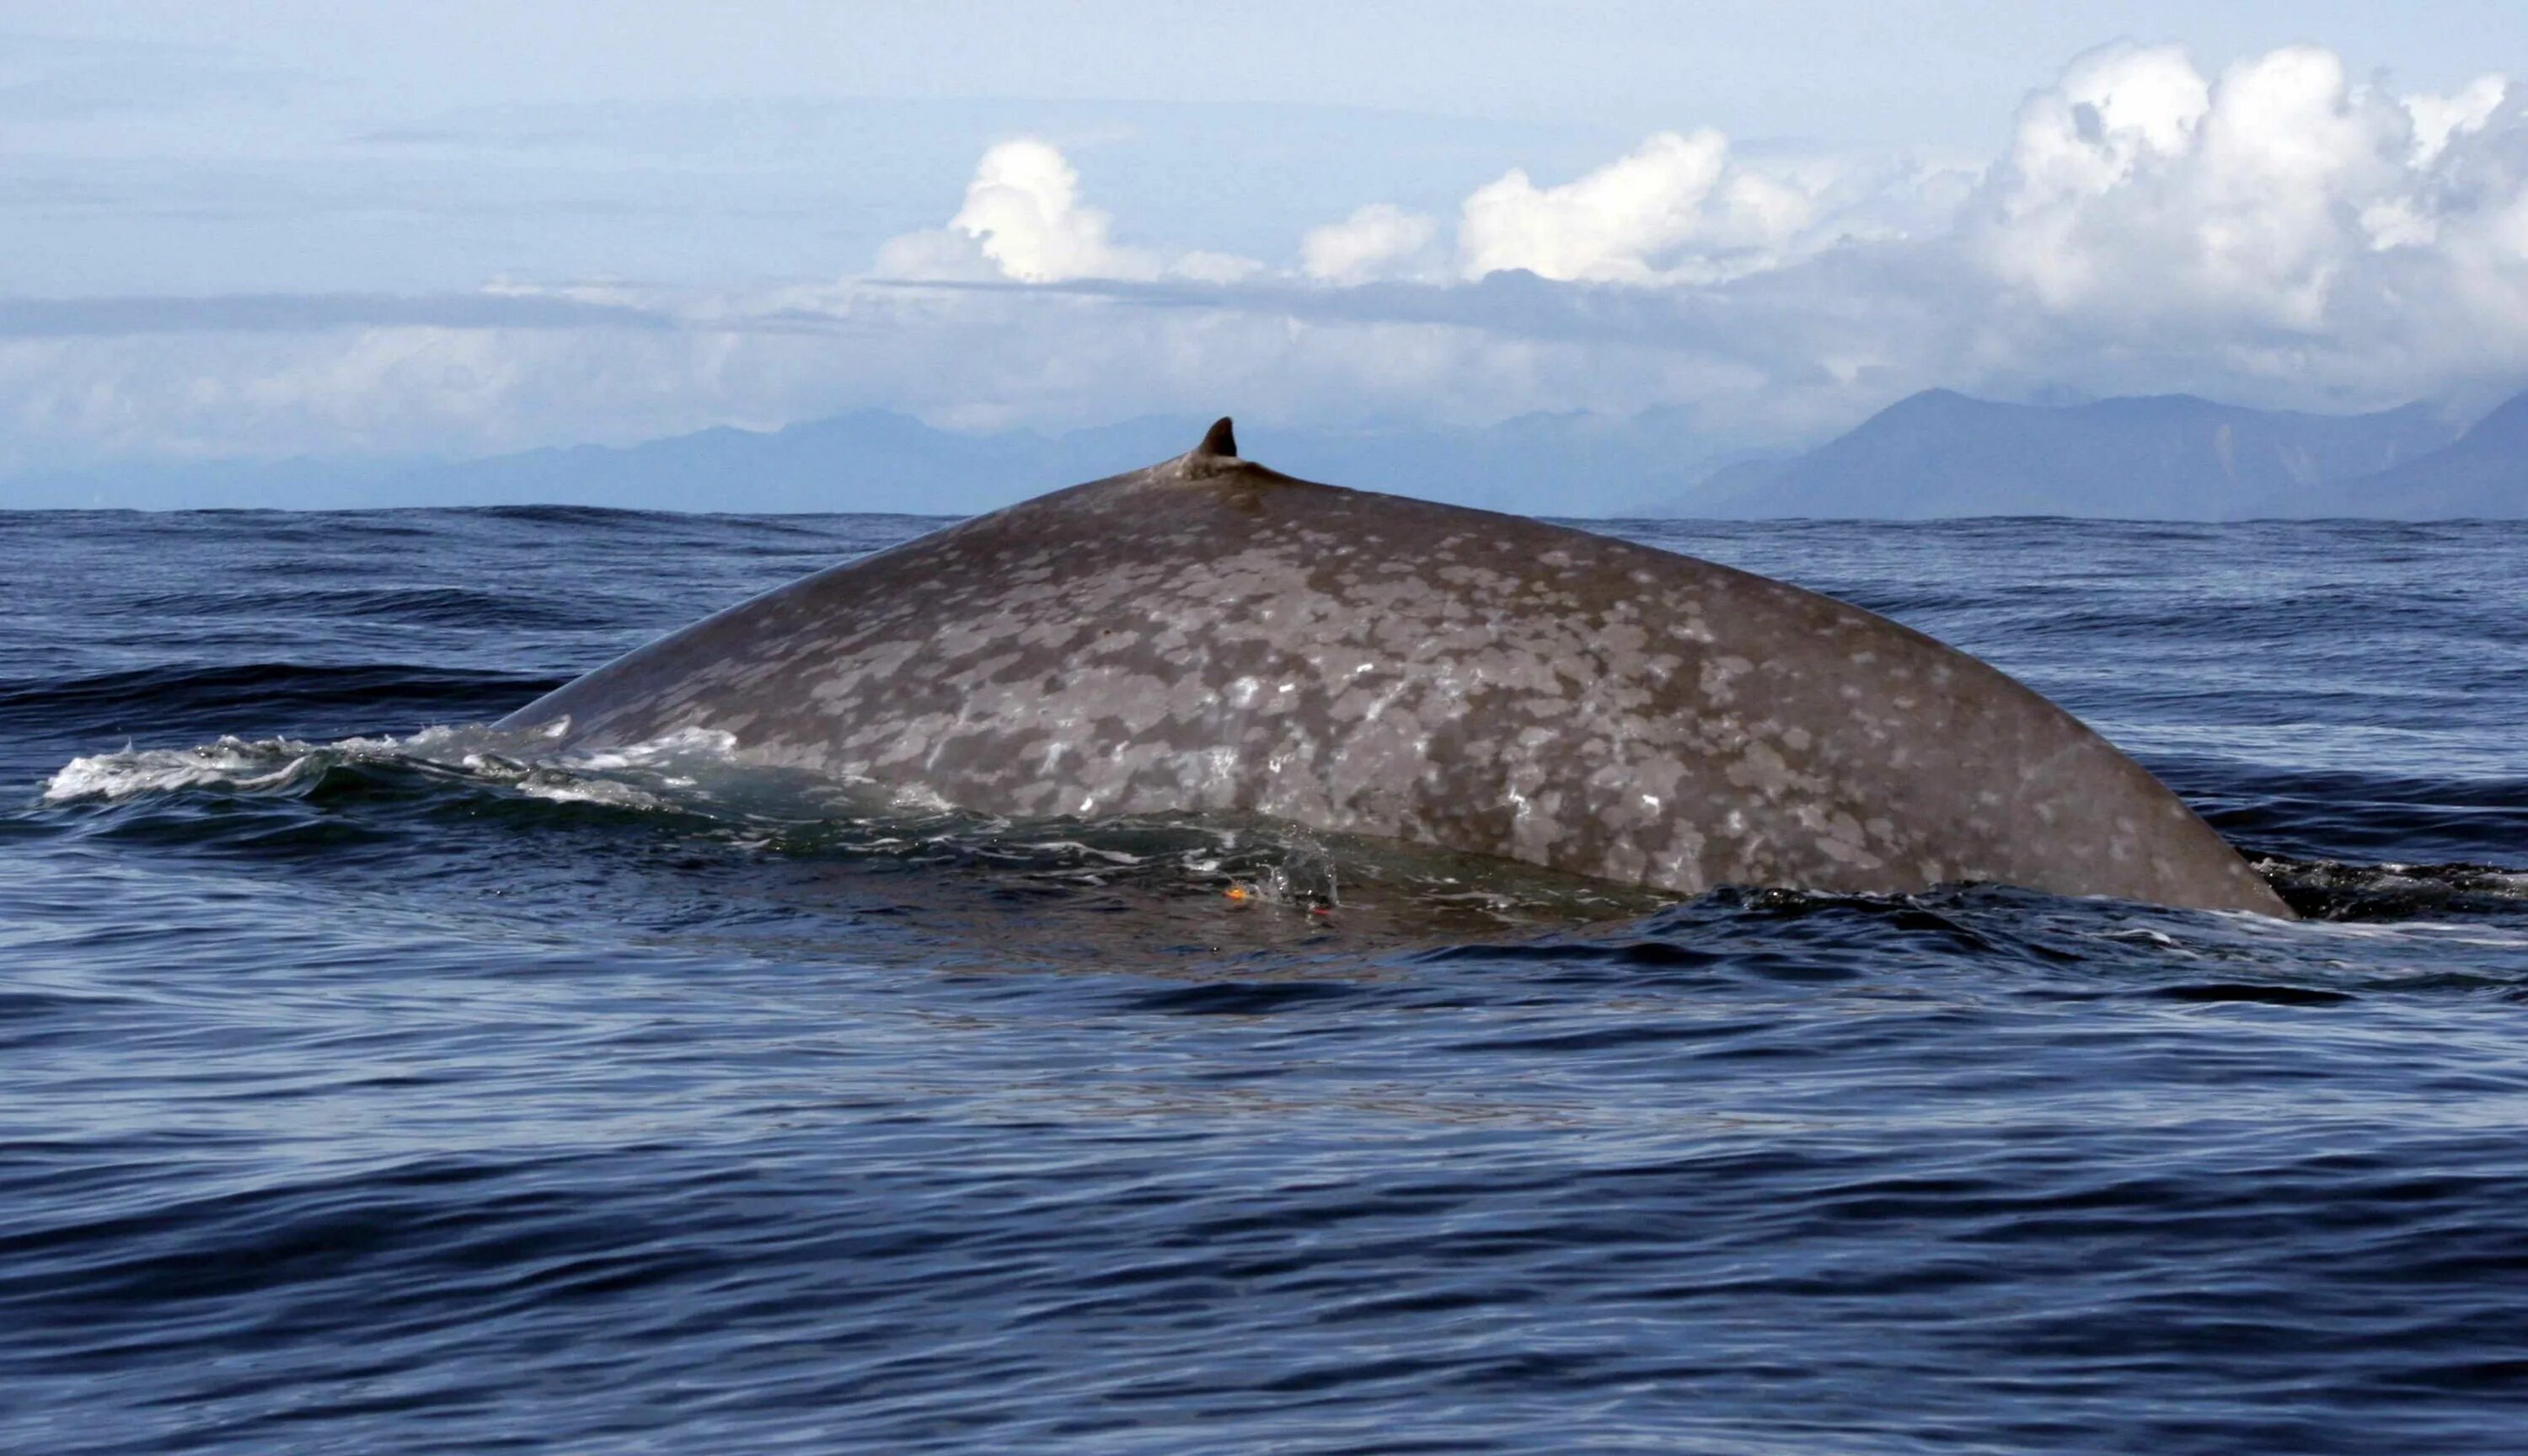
[(283, 765)]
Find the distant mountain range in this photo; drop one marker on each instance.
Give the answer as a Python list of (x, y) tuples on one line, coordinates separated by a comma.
[(2164, 457), (1933, 454), (871, 460), (2482, 474)]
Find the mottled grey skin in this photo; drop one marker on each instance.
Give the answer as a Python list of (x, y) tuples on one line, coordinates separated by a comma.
[(1208, 635)]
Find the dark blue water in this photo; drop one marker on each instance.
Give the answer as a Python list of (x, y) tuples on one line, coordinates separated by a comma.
[(362, 1089)]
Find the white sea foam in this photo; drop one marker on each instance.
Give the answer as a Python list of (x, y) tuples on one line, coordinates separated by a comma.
[(261, 765), (628, 777), (920, 798), (229, 763)]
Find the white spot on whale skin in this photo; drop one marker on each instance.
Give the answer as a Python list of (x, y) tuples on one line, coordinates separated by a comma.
[(701, 742)]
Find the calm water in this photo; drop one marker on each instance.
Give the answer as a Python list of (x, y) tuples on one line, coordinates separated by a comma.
[(365, 1090)]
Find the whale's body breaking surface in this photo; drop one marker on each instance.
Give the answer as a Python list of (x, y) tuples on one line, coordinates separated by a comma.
[(1206, 634)]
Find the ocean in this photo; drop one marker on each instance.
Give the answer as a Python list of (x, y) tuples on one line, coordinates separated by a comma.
[(366, 1086)]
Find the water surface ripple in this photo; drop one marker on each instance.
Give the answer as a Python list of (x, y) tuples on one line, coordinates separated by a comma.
[(365, 1085)]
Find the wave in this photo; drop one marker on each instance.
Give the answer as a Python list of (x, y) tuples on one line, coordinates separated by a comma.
[(694, 785), (280, 765), (263, 689), (471, 608), (2334, 890), (2346, 816)]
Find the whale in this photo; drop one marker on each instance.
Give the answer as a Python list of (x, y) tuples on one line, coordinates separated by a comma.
[(1208, 636)]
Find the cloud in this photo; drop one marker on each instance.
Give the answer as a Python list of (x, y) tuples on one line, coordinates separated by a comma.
[(2137, 185), (2279, 233), (2278, 217), (1380, 241), (2438, 118), (1022, 209), (1675, 210), (1024, 221), (287, 313)]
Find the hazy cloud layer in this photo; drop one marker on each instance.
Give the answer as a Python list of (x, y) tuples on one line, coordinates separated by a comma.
[(2278, 233), (291, 313)]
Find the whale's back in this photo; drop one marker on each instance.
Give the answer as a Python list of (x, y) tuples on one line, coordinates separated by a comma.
[(1207, 635)]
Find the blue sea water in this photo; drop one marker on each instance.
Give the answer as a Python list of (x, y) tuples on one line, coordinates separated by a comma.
[(362, 1089)]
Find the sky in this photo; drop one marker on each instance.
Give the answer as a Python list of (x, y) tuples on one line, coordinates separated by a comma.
[(353, 232)]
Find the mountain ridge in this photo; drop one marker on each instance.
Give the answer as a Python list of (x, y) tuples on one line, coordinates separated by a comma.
[(1936, 454), (1939, 453), (2482, 475)]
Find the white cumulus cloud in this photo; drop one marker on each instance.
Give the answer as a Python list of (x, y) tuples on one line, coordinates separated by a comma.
[(1024, 221), (1375, 242), (2438, 118), (1675, 210), (2140, 195)]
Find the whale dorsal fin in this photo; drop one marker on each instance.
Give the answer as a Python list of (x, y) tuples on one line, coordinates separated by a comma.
[(1221, 442)]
